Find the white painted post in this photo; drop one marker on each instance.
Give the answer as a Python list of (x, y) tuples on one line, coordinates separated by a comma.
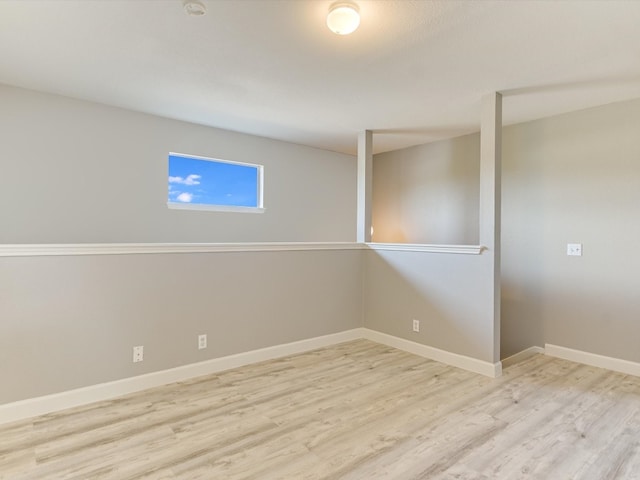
[(490, 197), (365, 173)]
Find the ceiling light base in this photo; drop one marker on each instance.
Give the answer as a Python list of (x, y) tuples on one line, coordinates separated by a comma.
[(343, 18), (194, 8)]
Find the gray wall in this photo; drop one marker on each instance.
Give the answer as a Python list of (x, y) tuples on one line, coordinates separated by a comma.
[(573, 178), (448, 293), (570, 178), (79, 172), (68, 322), (71, 321), (428, 193)]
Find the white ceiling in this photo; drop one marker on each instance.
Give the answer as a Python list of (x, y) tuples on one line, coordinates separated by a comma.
[(414, 71)]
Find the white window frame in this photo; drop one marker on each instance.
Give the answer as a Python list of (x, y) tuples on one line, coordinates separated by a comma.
[(222, 208)]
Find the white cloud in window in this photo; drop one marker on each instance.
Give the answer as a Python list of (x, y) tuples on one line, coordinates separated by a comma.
[(189, 180), (185, 197)]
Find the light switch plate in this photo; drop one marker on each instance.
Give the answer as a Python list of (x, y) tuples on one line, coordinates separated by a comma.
[(574, 249)]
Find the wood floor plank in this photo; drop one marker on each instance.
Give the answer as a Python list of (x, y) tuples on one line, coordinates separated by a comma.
[(358, 410), (537, 430)]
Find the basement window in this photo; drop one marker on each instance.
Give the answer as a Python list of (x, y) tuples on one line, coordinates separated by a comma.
[(201, 183)]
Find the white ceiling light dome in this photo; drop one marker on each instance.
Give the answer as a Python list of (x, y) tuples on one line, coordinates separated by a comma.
[(343, 18)]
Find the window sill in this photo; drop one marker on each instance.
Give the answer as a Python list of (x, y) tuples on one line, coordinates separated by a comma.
[(214, 208)]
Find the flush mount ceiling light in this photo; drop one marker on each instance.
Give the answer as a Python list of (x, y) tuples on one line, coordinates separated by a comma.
[(343, 18), (194, 8)]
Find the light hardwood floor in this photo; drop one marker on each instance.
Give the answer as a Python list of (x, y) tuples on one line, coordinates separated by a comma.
[(357, 410)]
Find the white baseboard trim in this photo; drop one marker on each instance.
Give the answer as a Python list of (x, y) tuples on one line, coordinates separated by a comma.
[(32, 407), (521, 356), (593, 359), (461, 361)]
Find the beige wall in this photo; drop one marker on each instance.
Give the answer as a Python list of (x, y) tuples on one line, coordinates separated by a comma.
[(80, 172), (72, 321), (428, 193), (448, 293), (573, 178)]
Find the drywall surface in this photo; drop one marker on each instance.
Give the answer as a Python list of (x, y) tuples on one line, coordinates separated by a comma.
[(72, 321), (573, 178), (80, 172), (448, 293), (428, 193)]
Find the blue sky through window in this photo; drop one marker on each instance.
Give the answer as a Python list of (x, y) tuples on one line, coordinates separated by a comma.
[(213, 182)]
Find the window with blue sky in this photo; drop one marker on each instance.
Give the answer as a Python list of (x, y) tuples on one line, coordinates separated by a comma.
[(198, 181)]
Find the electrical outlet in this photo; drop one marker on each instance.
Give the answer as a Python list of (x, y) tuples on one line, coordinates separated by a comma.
[(416, 325), (202, 341), (574, 249), (138, 354)]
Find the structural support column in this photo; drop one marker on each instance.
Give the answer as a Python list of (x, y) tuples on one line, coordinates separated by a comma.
[(490, 198), (365, 176)]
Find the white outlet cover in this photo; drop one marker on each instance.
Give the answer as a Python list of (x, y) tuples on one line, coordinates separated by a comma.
[(138, 354), (574, 249), (202, 341)]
